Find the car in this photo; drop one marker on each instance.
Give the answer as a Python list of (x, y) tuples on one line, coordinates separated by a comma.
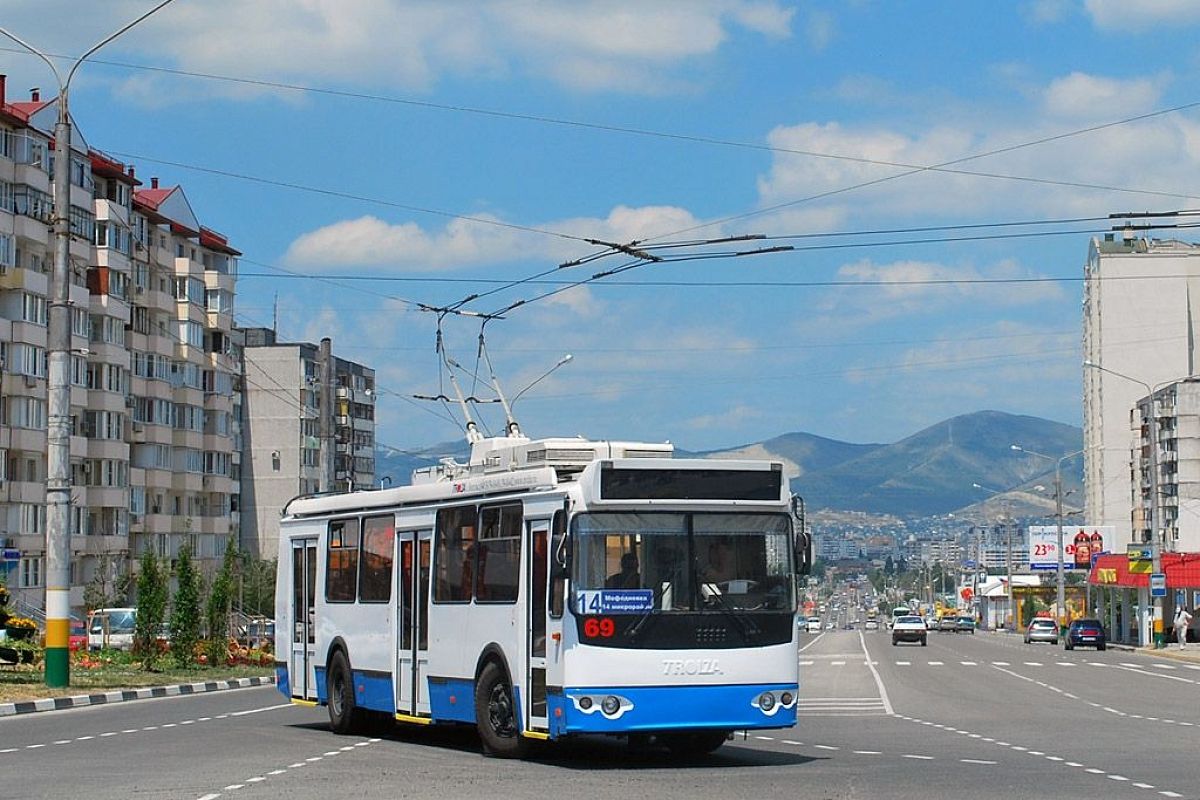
[(830, 626), (871, 625), (1041, 629), (948, 623), (909, 629), (813, 625), (965, 625), (1085, 632), (78, 636), (112, 628)]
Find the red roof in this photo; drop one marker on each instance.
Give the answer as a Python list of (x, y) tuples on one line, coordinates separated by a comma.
[(152, 198), (111, 168), (1182, 571), (216, 241), (27, 109)]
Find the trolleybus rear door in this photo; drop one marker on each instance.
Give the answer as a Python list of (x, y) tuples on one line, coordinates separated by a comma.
[(412, 622), (304, 588), (538, 569)]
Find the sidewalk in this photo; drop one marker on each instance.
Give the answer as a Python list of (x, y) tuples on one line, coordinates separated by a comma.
[(125, 695)]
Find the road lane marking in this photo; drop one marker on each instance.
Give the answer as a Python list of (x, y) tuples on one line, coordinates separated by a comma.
[(868, 752), (793, 741), (1144, 785), (967, 663), (1117, 778), (1000, 664), (887, 704), (826, 747), (903, 663), (1094, 771), (810, 644), (976, 761), (1033, 663), (935, 663), (921, 758), (837, 663), (766, 738), (257, 710)]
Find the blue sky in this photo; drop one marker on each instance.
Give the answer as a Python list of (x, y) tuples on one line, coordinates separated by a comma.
[(657, 121)]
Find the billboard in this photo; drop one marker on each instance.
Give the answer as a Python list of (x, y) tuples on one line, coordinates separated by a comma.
[(1080, 543)]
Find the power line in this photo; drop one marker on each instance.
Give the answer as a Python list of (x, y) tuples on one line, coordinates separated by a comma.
[(684, 137)]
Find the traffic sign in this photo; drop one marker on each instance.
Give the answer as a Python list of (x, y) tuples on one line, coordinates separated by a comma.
[(1158, 584), (1140, 559), (9, 554)]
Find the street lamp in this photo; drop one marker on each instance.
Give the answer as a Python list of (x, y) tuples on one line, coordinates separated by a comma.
[(58, 386), (1011, 610), (1155, 541), (1060, 612)]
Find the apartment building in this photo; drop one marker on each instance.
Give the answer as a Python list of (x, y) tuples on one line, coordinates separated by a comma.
[(1140, 327), (309, 427), (1175, 409), (154, 364)]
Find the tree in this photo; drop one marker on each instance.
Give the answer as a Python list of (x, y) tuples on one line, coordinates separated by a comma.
[(217, 610), (889, 566), (185, 610), (257, 590), (152, 593)]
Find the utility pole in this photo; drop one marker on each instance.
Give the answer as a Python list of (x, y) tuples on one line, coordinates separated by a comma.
[(325, 366), (1060, 598), (58, 386)]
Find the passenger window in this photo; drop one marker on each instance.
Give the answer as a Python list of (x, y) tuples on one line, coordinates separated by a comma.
[(499, 554), (342, 564), (375, 568), (455, 554)]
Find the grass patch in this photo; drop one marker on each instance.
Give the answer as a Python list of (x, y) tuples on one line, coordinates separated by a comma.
[(113, 671)]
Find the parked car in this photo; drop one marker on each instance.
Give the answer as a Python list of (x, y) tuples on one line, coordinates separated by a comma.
[(78, 636), (1042, 629), (965, 625), (112, 628), (909, 629), (1085, 632)]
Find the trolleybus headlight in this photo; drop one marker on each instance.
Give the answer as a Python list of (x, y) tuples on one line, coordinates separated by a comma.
[(585, 703), (766, 701), (785, 698), (610, 705)]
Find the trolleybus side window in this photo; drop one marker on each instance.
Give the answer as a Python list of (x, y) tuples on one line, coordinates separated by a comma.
[(499, 554), (455, 557), (375, 566), (341, 566)]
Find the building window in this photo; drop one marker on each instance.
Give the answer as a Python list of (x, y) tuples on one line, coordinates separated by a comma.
[(31, 572)]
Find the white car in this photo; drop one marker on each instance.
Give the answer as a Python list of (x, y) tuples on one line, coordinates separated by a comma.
[(871, 625), (814, 625), (909, 629)]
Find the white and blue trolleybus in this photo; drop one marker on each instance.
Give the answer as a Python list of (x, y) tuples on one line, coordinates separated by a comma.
[(548, 589)]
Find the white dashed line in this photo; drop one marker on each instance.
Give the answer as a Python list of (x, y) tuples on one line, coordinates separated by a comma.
[(793, 741), (1094, 771), (825, 747), (919, 758), (1170, 794), (766, 738), (975, 761), (935, 663), (868, 752), (1144, 785)]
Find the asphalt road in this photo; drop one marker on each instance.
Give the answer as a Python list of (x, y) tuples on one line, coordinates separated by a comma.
[(968, 716)]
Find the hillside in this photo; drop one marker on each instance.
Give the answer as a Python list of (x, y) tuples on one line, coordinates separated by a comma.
[(930, 472)]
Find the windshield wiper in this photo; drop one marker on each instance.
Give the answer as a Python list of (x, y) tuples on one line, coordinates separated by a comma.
[(637, 626)]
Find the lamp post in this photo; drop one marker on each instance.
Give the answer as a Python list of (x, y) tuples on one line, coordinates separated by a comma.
[(58, 386), (1155, 540), (1011, 610), (1060, 607)]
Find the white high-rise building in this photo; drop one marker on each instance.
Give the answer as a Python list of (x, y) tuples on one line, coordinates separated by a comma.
[(1141, 309)]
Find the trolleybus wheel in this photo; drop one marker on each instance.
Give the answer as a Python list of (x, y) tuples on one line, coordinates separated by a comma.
[(496, 716), (343, 716), (693, 743)]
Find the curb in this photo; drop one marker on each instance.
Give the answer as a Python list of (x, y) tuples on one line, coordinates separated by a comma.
[(125, 695)]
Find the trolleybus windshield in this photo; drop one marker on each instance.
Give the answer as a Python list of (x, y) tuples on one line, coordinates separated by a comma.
[(646, 562)]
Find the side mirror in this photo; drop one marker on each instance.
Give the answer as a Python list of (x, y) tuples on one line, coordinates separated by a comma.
[(802, 541)]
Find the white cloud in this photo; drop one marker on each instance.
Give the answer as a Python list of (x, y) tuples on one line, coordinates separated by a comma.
[(1080, 95), (406, 246), (1043, 12), (820, 29), (1139, 14), (623, 46), (730, 419)]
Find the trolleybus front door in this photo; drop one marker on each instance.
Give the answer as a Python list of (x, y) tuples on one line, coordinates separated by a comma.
[(538, 565), (304, 588), (412, 622)]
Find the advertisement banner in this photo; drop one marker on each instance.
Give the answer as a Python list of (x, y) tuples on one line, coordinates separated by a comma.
[(1080, 543)]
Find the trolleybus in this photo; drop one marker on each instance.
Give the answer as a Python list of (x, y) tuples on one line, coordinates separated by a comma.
[(548, 589)]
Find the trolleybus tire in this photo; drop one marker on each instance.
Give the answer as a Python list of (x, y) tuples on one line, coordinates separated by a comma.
[(496, 714), (343, 716), (693, 743)]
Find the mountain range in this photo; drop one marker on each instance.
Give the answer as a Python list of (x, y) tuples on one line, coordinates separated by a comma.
[(934, 471)]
